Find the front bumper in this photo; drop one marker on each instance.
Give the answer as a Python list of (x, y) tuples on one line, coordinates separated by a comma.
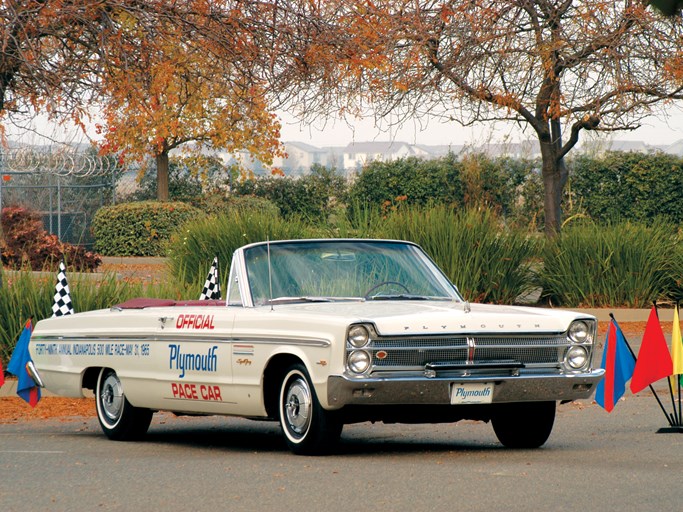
[(342, 390)]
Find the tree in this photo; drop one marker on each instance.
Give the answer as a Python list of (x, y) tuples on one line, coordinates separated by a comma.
[(176, 81), (165, 73), (556, 68), (46, 56)]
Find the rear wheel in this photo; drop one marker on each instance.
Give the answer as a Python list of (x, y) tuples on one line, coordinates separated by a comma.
[(525, 424), (308, 428), (118, 418)]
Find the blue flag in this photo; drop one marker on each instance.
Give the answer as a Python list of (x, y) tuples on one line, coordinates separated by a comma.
[(618, 363), (26, 387)]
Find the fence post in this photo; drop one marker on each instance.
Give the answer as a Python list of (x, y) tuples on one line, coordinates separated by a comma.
[(59, 208)]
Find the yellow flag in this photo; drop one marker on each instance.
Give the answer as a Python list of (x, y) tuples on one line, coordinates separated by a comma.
[(676, 346)]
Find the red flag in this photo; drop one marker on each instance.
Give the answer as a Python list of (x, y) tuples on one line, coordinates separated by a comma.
[(654, 360), (2, 375)]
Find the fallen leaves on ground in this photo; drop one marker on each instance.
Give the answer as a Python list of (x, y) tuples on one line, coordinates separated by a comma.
[(14, 410)]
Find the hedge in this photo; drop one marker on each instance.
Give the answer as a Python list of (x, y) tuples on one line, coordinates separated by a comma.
[(139, 229)]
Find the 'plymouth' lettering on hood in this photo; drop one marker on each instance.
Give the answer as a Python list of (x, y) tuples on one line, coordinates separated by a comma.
[(192, 362)]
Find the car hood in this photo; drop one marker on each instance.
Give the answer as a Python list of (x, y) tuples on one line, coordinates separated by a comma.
[(420, 317)]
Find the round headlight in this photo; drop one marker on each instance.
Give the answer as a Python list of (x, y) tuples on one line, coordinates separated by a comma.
[(359, 361), (577, 357), (578, 332), (358, 336)]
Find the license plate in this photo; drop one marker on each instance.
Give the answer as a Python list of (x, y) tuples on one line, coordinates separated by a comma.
[(472, 393)]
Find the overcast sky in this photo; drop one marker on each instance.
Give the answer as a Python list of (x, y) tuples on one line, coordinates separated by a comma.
[(654, 132), (340, 133)]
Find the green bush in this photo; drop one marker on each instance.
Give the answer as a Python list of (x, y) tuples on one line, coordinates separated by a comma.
[(614, 265), (219, 203), (195, 244), (487, 261), (312, 196), (619, 187), (138, 229), (473, 181), (414, 181)]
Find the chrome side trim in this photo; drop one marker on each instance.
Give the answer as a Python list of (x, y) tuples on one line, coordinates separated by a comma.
[(313, 342)]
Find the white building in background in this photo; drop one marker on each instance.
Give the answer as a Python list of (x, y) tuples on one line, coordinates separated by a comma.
[(358, 154), (350, 159), (300, 157)]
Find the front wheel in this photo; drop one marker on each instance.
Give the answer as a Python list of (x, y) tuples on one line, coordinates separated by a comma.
[(524, 424), (308, 428), (119, 420)]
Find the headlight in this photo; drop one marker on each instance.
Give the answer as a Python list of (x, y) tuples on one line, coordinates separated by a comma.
[(577, 357), (358, 336), (359, 361), (579, 331)]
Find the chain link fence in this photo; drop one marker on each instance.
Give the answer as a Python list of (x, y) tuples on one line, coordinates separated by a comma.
[(64, 185)]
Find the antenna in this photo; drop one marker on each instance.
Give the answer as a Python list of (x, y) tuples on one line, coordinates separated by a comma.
[(270, 274)]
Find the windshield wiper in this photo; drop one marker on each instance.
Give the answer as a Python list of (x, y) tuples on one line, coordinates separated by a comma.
[(291, 300), (402, 296)]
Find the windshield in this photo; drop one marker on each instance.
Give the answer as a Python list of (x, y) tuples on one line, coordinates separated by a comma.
[(344, 269)]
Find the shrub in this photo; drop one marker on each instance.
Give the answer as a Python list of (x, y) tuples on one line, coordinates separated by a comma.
[(138, 229), (218, 203), (195, 244), (26, 243), (625, 264), (311, 196), (414, 180), (630, 187)]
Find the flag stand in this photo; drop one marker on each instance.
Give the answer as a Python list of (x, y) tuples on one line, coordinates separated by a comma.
[(673, 427), (671, 430)]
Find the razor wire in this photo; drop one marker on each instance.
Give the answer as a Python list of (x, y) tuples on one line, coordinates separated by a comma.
[(66, 161)]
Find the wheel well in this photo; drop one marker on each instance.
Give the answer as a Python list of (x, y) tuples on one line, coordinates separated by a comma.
[(90, 377), (272, 377)]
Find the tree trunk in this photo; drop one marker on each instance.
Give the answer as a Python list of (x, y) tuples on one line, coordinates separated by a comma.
[(554, 174), (162, 176)]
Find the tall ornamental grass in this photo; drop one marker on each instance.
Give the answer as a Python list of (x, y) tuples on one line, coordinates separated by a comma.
[(195, 244), (612, 265), (487, 261)]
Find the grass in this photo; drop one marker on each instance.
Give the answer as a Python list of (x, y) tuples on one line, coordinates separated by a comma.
[(623, 264), (487, 261)]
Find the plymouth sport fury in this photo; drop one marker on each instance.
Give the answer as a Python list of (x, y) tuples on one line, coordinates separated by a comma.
[(316, 334)]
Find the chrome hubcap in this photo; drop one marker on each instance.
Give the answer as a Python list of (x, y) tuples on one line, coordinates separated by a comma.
[(111, 397), (298, 407)]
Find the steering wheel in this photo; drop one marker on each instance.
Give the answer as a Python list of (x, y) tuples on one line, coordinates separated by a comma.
[(385, 283)]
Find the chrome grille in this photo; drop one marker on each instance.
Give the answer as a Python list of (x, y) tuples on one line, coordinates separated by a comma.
[(413, 353)]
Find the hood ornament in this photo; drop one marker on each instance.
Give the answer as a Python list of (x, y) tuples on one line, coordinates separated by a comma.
[(466, 307)]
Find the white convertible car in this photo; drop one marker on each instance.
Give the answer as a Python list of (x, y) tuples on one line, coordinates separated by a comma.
[(319, 333)]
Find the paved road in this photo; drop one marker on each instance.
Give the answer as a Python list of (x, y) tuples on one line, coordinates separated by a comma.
[(593, 461)]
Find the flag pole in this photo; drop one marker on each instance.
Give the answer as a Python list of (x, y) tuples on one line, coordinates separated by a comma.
[(680, 410), (661, 406), (675, 414)]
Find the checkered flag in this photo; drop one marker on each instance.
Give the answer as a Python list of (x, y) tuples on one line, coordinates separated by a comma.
[(62, 302), (212, 287)]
